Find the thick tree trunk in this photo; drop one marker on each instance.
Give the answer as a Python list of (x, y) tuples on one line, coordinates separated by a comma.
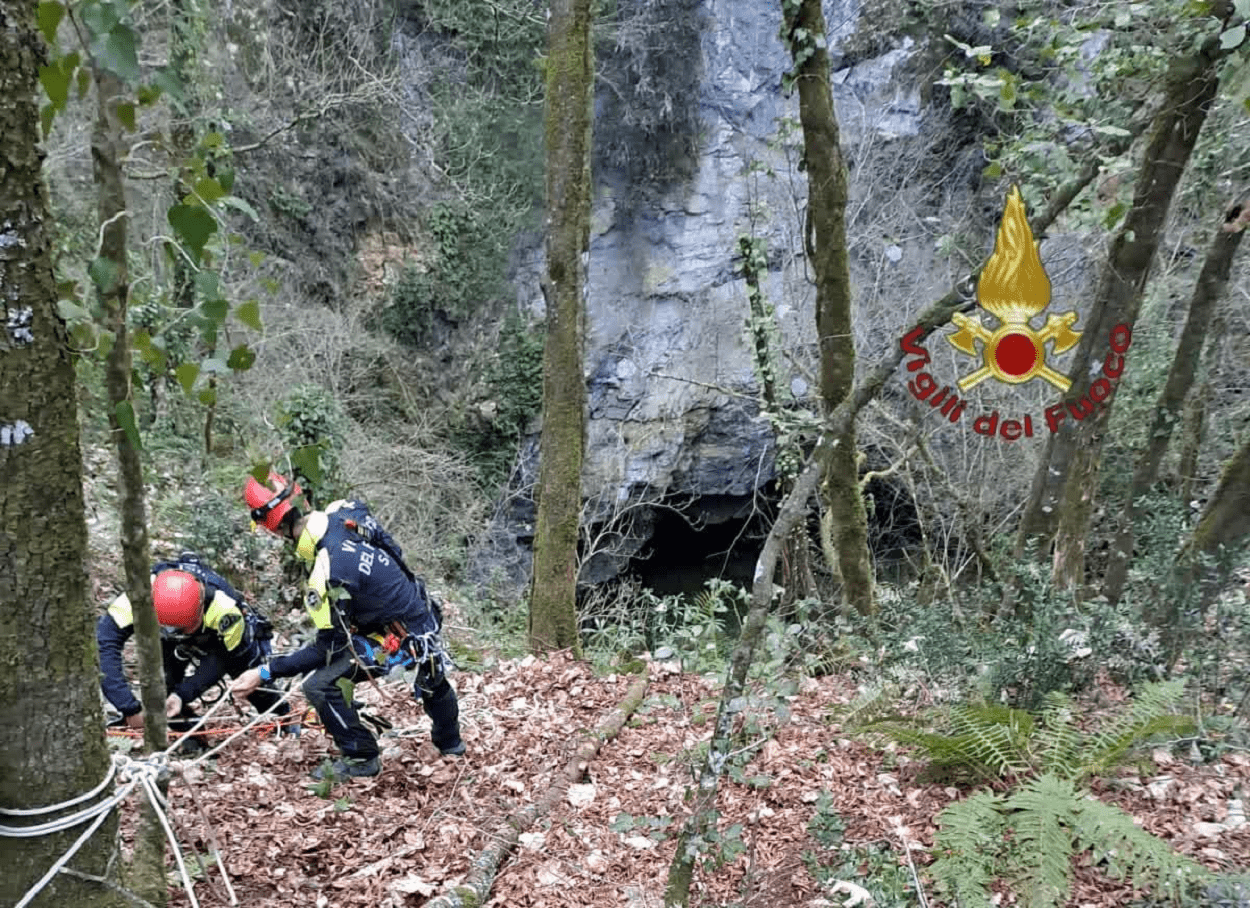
[(108, 149), (1208, 291), (1062, 496), (826, 240), (570, 94), (53, 747)]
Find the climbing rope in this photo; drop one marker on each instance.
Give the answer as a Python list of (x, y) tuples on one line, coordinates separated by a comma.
[(145, 774)]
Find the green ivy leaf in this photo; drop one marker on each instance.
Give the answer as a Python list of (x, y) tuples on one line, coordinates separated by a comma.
[(241, 358), (103, 273), (193, 225), (216, 309), (55, 82), (186, 374), (126, 419), (118, 53), (207, 285), (49, 15), (84, 82), (208, 396), (307, 461), (72, 312), (233, 201), (47, 114), (126, 115), (208, 189), (248, 313)]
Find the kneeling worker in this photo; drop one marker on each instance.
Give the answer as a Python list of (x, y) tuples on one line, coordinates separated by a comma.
[(204, 623), (359, 594)]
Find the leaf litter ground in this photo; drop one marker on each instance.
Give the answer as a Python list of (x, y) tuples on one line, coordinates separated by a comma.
[(401, 838)]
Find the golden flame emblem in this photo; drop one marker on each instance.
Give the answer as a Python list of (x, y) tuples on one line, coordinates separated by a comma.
[(1014, 288)]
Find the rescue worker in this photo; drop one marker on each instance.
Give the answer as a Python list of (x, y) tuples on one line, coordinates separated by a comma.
[(365, 603), (205, 623)]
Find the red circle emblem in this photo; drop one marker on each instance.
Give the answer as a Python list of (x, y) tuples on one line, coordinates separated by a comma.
[(1015, 354)]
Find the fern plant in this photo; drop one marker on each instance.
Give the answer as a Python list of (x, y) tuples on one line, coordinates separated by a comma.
[(985, 742), (1029, 837)]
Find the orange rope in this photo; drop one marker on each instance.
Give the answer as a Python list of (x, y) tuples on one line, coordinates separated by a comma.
[(262, 730)]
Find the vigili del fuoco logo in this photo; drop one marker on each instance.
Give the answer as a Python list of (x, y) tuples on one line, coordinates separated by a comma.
[(1014, 289)]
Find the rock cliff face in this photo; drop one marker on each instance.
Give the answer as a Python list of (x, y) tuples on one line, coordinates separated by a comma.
[(674, 415)]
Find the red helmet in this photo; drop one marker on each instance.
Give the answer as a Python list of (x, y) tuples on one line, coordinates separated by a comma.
[(270, 503), (179, 599)]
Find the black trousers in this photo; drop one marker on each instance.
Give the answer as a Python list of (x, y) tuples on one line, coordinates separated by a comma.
[(352, 736)]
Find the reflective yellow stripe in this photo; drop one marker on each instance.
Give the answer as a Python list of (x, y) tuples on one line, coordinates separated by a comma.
[(316, 601), (120, 611), (225, 617)]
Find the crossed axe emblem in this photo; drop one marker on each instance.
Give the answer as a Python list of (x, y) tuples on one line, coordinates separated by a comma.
[(1014, 353)]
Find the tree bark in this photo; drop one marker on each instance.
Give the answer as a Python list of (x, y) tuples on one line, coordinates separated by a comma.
[(108, 150), (570, 94), (793, 510), (53, 747), (1225, 522), (1061, 499), (796, 568), (475, 890), (1208, 291), (826, 239)]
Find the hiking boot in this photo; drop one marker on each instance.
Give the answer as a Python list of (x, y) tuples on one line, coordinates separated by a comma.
[(455, 750), (348, 768)]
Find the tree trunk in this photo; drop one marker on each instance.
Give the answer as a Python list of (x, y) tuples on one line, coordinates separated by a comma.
[(53, 748), (826, 242), (108, 149), (570, 94), (793, 510), (1064, 486), (1209, 289), (1225, 522)]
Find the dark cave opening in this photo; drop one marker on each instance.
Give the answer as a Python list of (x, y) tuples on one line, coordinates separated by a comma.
[(707, 537)]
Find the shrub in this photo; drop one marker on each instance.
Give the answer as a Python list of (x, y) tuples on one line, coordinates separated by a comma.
[(314, 430)]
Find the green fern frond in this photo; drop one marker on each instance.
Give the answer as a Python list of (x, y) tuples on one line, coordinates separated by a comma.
[(1130, 852), (1059, 743), (1042, 816), (1151, 713), (969, 836), (874, 703), (994, 736)]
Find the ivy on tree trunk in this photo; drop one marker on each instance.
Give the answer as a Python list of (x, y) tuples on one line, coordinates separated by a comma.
[(111, 274), (804, 30), (570, 94)]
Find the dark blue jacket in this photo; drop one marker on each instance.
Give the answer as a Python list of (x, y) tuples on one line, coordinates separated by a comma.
[(213, 644), (355, 587)]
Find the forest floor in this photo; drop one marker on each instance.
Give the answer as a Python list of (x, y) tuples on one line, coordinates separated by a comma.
[(403, 837)]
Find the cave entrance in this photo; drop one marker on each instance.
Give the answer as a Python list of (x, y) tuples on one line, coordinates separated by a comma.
[(711, 537)]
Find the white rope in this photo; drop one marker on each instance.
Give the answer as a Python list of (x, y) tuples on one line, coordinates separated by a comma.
[(53, 808), (143, 773), (255, 720), (61, 862)]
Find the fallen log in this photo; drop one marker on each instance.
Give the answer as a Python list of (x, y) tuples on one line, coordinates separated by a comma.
[(475, 889)]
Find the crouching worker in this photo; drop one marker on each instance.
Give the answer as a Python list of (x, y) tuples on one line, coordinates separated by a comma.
[(204, 623), (364, 602)]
